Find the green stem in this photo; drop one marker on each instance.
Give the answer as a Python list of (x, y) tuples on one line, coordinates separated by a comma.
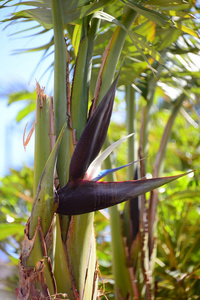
[(92, 35), (131, 127), (60, 118), (107, 71), (60, 108), (81, 248), (42, 141), (159, 163), (82, 76), (147, 115), (61, 268), (120, 270), (151, 88), (60, 102), (158, 168), (78, 101), (80, 251), (42, 149), (114, 49), (130, 225)]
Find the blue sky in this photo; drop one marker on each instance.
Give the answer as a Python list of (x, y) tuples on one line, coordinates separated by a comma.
[(16, 72)]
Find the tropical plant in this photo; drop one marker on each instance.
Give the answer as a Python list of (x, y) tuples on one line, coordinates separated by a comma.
[(59, 252)]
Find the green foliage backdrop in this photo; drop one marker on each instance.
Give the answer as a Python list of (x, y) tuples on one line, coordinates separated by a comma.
[(156, 46)]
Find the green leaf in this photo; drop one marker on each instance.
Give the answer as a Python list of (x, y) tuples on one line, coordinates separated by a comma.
[(25, 111), (22, 95), (45, 47), (7, 230), (78, 109), (76, 38), (151, 15), (167, 3), (42, 14), (138, 40), (186, 29)]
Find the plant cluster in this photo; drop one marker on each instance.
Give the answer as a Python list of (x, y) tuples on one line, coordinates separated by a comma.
[(150, 48)]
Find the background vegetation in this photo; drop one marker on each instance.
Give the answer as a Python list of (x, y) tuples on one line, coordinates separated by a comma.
[(158, 99)]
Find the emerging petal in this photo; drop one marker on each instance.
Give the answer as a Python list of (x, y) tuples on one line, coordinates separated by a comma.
[(94, 168), (104, 173)]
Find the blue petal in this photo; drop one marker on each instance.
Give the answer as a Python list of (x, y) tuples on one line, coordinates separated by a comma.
[(103, 173)]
